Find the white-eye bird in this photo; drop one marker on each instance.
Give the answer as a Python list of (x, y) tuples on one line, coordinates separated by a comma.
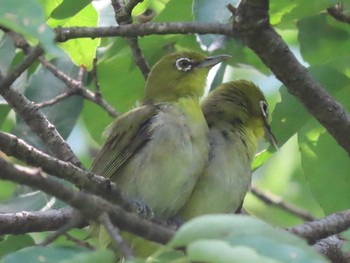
[(156, 152), (237, 116)]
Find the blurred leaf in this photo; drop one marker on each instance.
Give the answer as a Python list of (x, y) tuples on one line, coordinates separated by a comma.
[(329, 185), (140, 7), (175, 11), (104, 256), (49, 6), (243, 57), (212, 11), (346, 236), (12, 243), (42, 254), (69, 8), (81, 50), (26, 199), (7, 51), (6, 189), (241, 234), (221, 252), (307, 8), (278, 9), (322, 38), (28, 18)]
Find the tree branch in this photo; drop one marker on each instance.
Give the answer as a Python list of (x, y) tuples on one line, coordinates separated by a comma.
[(322, 228), (123, 17), (31, 114), (118, 241), (252, 26), (26, 222), (91, 206), (145, 29), (337, 13), (12, 146), (271, 199), (76, 88)]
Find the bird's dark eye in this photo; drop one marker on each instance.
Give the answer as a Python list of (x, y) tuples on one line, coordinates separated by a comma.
[(184, 64), (264, 108)]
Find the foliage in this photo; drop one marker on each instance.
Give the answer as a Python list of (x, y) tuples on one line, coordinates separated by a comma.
[(310, 170)]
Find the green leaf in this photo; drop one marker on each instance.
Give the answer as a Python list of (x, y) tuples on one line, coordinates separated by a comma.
[(290, 115), (346, 236), (307, 8), (27, 199), (329, 41), (42, 254), (81, 50), (229, 234), (7, 51), (175, 11), (326, 167), (28, 18), (12, 243), (69, 8), (104, 256), (217, 251), (121, 85)]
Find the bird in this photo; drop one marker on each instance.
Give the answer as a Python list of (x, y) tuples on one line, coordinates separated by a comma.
[(237, 116), (155, 152)]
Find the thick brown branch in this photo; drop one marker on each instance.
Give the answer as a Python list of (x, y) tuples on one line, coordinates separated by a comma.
[(322, 228), (252, 26), (31, 114), (91, 206), (26, 222), (12, 146)]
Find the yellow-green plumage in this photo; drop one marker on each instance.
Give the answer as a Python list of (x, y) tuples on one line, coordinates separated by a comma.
[(156, 152), (236, 113)]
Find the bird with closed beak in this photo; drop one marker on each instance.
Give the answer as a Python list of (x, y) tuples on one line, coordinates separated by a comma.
[(156, 152), (237, 116)]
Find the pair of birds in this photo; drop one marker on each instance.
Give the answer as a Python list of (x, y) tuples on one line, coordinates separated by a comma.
[(181, 158)]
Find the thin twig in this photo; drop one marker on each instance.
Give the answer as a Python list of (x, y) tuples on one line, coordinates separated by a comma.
[(95, 76), (77, 88), (33, 55), (72, 223), (337, 13), (277, 201), (123, 17), (57, 99), (120, 244), (79, 242)]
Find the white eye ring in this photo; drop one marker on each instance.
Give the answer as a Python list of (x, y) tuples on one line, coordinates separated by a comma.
[(183, 64), (264, 108)]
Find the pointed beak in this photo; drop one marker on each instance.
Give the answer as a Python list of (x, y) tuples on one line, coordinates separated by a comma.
[(270, 137), (212, 61)]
